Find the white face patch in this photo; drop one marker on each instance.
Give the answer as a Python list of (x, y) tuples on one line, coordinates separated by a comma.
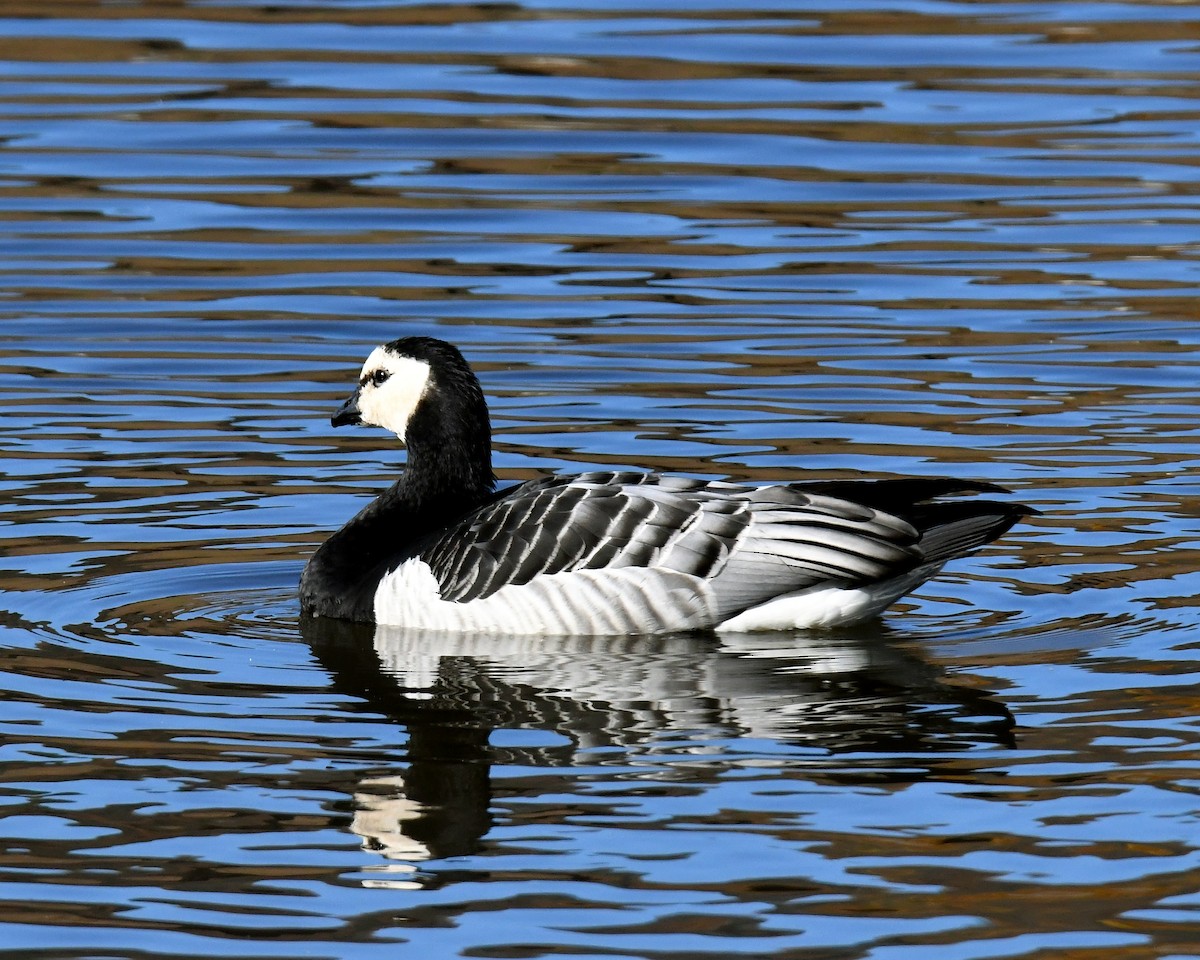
[(390, 387)]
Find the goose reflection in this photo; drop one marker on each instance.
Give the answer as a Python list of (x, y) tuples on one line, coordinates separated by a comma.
[(844, 693)]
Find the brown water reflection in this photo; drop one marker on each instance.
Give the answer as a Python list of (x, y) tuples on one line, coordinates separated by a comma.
[(944, 238)]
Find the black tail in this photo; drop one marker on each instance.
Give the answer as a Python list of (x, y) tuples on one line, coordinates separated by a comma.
[(948, 528), (896, 497), (953, 529)]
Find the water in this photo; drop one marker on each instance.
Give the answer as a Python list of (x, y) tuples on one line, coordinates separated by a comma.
[(929, 238)]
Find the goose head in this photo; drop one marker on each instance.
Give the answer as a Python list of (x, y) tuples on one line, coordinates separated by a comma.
[(423, 391), (391, 387)]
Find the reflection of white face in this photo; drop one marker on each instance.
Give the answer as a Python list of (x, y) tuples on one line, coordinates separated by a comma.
[(389, 389), (381, 812)]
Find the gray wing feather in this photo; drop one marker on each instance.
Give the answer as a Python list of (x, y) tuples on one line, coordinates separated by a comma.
[(749, 544), (800, 540), (592, 521)]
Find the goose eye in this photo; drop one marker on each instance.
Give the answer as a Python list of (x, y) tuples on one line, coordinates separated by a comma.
[(379, 377)]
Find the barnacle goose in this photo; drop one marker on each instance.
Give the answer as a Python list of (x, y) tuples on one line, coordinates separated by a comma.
[(612, 553)]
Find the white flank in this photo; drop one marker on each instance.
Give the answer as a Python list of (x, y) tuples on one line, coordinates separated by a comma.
[(580, 603), (622, 600), (823, 607)]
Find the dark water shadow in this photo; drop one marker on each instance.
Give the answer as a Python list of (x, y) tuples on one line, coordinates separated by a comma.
[(852, 698)]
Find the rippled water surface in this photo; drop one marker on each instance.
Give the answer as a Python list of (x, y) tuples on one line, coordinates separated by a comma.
[(764, 241)]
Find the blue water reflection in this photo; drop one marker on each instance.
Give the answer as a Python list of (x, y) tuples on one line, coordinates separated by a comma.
[(762, 243)]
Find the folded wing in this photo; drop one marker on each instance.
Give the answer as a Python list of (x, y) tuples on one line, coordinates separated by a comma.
[(746, 545)]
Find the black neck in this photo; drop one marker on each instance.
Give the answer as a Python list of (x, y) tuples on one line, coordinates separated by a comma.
[(448, 475), (449, 454)]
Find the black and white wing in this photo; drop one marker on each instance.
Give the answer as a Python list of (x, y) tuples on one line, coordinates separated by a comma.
[(593, 521), (749, 544), (627, 552)]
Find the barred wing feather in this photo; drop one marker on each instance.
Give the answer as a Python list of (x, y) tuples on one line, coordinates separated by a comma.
[(588, 522), (799, 540), (749, 544)]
